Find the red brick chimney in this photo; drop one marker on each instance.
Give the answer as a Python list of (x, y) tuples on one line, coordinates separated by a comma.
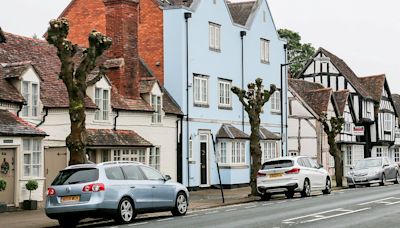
[(122, 26)]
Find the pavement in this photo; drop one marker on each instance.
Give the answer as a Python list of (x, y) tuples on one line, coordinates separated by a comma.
[(200, 199)]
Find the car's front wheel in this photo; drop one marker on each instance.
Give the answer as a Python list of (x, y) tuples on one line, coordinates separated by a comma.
[(397, 180), (181, 205), (383, 180), (289, 194), (328, 187), (126, 211), (306, 192), (265, 197)]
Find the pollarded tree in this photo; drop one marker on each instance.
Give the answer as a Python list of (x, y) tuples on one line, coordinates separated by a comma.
[(332, 129), (74, 78), (253, 101)]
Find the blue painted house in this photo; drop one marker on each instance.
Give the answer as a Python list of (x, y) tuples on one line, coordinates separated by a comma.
[(210, 46)]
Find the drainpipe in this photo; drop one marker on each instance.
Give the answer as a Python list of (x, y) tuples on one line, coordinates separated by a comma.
[(44, 117), (281, 101), (242, 34), (115, 120), (20, 108), (187, 16), (179, 130), (286, 100)]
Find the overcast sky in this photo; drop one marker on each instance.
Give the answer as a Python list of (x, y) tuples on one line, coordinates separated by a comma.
[(364, 33)]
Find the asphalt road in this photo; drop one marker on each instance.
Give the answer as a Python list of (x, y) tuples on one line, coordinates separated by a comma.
[(361, 207)]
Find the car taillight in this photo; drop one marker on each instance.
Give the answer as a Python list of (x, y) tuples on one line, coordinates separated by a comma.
[(94, 188), (293, 171), (259, 174), (51, 191)]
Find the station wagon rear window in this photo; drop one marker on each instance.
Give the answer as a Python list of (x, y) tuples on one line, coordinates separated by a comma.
[(277, 164), (76, 176)]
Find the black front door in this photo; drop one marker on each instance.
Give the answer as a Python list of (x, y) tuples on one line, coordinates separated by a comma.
[(203, 165)]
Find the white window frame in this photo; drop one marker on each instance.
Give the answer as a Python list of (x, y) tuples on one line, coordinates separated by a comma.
[(276, 102), (238, 152), (30, 151), (131, 154), (224, 93), (387, 122), (347, 127), (32, 97), (102, 100), (214, 36), (264, 50), (154, 158), (156, 103), (379, 152), (349, 155), (190, 149), (396, 154), (268, 150), (200, 91), (223, 152)]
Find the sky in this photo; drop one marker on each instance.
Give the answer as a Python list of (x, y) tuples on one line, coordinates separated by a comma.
[(364, 33)]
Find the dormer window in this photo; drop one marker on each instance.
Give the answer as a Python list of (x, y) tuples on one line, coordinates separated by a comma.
[(102, 99), (30, 92), (156, 104)]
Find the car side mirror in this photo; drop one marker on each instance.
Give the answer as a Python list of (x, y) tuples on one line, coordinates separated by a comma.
[(167, 177), (385, 165), (320, 166), (351, 167)]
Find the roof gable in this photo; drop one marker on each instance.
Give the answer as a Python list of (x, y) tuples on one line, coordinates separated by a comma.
[(374, 85), (12, 125), (341, 98), (227, 131)]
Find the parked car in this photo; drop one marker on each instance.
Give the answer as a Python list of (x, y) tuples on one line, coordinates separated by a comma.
[(292, 174), (373, 170), (118, 190)]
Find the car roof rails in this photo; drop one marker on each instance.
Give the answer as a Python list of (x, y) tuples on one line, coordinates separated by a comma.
[(119, 162)]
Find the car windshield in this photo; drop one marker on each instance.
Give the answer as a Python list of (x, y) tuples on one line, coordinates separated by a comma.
[(368, 163), (276, 164), (76, 176)]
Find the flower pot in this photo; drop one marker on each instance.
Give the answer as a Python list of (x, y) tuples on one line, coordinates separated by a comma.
[(29, 204), (3, 207)]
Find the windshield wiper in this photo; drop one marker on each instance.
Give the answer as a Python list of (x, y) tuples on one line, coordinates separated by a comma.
[(74, 182)]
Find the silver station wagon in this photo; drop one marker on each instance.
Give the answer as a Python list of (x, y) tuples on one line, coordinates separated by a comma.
[(118, 190)]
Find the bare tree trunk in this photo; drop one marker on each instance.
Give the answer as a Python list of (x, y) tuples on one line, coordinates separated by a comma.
[(255, 153), (339, 170)]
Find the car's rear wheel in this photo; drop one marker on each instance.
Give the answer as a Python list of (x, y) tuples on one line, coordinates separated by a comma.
[(265, 197), (352, 186), (289, 194), (126, 211), (328, 187), (181, 205), (383, 180), (368, 185), (306, 192), (397, 180), (68, 222)]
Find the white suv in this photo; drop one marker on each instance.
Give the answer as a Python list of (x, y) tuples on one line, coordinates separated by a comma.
[(292, 174)]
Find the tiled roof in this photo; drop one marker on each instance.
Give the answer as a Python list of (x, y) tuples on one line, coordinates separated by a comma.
[(186, 3), (43, 57), (341, 97), (315, 95), (12, 125), (118, 138), (396, 100), (374, 85), (7, 91), (240, 11), (346, 71), (227, 131), (146, 86), (15, 70), (267, 135), (170, 106)]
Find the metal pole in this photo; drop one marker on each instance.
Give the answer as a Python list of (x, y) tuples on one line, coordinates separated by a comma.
[(219, 175), (187, 16), (281, 102)]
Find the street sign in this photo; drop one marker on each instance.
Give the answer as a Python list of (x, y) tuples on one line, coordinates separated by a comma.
[(358, 130)]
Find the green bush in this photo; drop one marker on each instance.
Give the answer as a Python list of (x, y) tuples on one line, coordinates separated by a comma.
[(31, 186), (3, 185)]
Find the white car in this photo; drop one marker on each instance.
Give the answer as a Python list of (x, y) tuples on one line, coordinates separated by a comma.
[(292, 174)]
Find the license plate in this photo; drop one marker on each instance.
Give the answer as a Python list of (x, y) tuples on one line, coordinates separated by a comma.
[(275, 175), (70, 199), (360, 179)]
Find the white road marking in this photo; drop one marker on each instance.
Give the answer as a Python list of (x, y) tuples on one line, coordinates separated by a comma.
[(166, 219), (374, 201), (233, 209), (337, 215), (253, 206), (288, 222), (211, 212), (281, 202), (267, 204), (138, 224), (310, 215), (190, 216), (295, 200)]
